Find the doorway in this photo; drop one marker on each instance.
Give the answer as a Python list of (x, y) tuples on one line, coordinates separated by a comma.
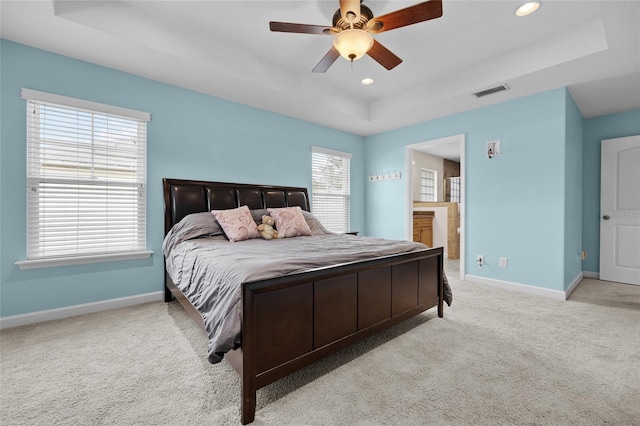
[(450, 148)]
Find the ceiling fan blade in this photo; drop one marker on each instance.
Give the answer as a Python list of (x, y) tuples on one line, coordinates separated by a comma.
[(383, 56), (288, 27), (327, 60), (408, 16)]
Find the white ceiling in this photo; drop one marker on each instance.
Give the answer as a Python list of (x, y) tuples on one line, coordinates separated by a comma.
[(225, 49)]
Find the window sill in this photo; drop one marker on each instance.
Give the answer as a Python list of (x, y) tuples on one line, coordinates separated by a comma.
[(82, 260)]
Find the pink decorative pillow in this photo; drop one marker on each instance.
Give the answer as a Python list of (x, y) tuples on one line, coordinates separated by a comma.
[(237, 224), (290, 221)]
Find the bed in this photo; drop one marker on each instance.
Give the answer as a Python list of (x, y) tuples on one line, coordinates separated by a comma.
[(285, 320)]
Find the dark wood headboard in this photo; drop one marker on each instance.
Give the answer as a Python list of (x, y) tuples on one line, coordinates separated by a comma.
[(183, 197)]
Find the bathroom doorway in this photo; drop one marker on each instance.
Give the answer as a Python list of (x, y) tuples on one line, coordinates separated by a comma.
[(450, 149)]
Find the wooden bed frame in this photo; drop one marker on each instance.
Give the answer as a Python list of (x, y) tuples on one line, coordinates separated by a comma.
[(292, 321)]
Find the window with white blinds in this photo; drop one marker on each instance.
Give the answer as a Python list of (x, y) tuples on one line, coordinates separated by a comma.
[(86, 177), (427, 185), (331, 177)]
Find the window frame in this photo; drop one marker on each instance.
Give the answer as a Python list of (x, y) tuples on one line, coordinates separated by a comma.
[(345, 196), (434, 187), (34, 231)]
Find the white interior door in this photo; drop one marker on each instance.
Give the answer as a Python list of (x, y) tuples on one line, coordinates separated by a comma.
[(620, 210)]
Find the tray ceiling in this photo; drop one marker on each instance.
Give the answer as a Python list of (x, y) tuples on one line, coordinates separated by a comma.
[(225, 49)]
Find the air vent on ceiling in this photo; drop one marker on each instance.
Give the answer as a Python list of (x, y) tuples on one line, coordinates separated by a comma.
[(491, 90)]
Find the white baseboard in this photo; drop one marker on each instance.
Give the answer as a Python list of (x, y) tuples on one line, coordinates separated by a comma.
[(589, 274), (573, 285), (86, 308), (523, 288)]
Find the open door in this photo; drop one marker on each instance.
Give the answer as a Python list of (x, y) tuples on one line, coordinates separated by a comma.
[(620, 210)]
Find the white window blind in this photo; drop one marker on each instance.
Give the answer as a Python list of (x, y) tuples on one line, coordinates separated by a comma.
[(331, 177), (86, 177), (427, 185)]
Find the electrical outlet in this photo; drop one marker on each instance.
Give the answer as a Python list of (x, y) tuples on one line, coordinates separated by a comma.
[(503, 262), (480, 260)]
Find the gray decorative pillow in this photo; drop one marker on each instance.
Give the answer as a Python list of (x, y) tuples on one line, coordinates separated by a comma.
[(192, 226), (257, 215), (314, 224)]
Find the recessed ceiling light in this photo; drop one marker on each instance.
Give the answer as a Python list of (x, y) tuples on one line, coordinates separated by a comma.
[(527, 8), (367, 81)]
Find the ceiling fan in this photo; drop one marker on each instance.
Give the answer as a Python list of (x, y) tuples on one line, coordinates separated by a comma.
[(352, 27)]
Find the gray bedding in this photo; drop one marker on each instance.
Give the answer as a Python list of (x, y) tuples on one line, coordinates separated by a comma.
[(210, 271)]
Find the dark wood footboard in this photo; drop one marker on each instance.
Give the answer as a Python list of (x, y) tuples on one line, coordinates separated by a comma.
[(291, 322)]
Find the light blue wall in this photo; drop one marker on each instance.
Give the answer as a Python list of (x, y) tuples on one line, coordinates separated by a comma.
[(573, 192), (191, 136), (522, 205), (515, 202), (596, 129)]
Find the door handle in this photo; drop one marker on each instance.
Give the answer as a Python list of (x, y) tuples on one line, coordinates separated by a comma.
[(606, 217)]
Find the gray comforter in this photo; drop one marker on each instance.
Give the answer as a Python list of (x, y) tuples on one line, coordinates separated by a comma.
[(210, 272)]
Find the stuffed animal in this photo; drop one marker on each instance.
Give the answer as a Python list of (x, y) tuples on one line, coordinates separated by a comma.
[(267, 231)]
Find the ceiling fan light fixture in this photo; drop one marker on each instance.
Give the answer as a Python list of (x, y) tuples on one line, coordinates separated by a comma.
[(353, 44), (527, 8)]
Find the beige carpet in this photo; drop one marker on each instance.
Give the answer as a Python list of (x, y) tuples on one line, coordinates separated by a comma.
[(497, 358)]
